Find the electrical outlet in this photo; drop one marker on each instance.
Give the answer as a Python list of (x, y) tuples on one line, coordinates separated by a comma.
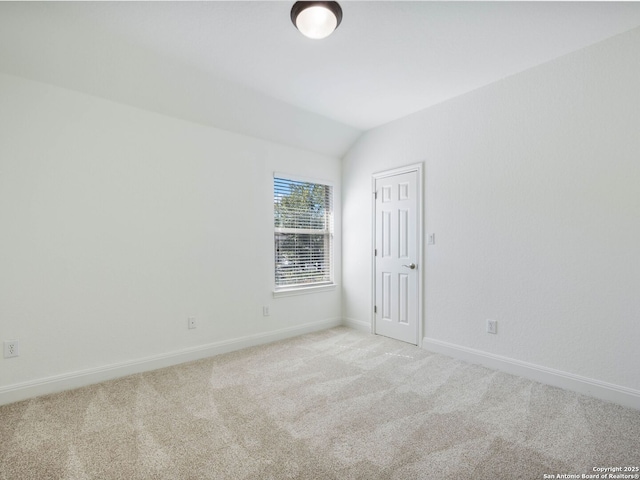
[(492, 326), (265, 311), (191, 322), (11, 348)]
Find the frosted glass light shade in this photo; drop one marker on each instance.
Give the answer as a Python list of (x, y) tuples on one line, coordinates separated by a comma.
[(316, 19)]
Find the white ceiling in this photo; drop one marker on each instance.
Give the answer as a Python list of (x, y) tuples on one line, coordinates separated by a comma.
[(242, 65)]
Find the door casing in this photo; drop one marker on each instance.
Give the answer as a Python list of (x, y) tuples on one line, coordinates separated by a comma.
[(418, 168)]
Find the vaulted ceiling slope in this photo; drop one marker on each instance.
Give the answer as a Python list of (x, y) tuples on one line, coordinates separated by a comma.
[(243, 67)]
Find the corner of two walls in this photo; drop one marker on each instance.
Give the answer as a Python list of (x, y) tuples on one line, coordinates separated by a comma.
[(531, 186), (118, 224)]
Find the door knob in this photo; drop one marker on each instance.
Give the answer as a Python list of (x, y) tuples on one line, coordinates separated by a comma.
[(412, 266)]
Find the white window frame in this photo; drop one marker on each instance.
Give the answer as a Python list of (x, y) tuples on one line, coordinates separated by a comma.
[(284, 290)]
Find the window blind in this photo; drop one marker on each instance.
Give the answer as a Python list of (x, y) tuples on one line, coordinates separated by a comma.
[(303, 233)]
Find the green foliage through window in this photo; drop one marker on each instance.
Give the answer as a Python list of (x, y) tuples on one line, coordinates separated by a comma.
[(303, 229)]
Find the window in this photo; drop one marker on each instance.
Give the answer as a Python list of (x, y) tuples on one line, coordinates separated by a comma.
[(303, 233)]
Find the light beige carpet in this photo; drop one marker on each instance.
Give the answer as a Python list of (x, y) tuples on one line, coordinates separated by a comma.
[(337, 404)]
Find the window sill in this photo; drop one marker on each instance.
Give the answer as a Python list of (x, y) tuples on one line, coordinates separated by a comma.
[(303, 290)]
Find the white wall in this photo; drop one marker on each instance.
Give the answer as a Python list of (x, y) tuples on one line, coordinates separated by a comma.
[(533, 192), (117, 224)]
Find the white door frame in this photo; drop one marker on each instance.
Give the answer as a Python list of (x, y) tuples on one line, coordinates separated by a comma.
[(420, 247)]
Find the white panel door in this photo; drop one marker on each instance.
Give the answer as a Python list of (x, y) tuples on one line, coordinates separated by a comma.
[(396, 257)]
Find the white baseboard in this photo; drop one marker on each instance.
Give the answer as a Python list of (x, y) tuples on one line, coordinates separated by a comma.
[(357, 324), (81, 378), (604, 391)]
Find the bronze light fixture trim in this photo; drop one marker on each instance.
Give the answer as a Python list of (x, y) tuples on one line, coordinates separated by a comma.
[(316, 19)]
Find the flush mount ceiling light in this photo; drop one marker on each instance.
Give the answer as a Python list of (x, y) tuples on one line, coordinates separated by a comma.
[(316, 19)]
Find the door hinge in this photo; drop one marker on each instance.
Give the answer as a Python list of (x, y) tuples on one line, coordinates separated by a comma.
[(375, 252), (375, 309), (375, 195)]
